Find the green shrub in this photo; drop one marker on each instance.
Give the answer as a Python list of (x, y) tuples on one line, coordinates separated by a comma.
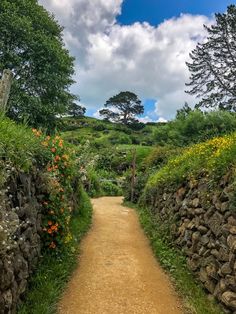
[(110, 189), (92, 185)]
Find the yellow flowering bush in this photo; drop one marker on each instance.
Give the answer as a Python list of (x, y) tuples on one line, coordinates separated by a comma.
[(211, 159)]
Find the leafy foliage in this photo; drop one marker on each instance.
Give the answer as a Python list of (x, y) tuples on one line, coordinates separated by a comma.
[(213, 64), (194, 127), (31, 47)]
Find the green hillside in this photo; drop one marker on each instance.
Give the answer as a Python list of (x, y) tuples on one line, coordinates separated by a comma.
[(102, 133)]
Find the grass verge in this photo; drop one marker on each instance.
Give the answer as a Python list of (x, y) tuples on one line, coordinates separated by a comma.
[(173, 261), (51, 277)]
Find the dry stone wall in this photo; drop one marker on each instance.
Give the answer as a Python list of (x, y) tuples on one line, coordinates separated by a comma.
[(202, 220), (20, 227)]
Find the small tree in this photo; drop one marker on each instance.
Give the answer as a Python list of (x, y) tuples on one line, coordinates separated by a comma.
[(213, 66), (184, 111), (125, 106)]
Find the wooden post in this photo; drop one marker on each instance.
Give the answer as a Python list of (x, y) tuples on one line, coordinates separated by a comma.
[(5, 87), (133, 174)]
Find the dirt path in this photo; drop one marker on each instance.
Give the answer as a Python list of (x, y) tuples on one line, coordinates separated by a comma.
[(118, 273)]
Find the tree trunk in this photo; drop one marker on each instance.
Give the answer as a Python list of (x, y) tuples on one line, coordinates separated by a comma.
[(5, 87)]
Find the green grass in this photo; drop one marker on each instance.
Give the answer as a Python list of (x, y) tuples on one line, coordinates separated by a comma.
[(18, 144), (193, 295), (49, 281)]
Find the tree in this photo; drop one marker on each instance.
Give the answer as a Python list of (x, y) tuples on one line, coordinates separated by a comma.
[(213, 65), (125, 106), (31, 46), (184, 111), (76, 110)]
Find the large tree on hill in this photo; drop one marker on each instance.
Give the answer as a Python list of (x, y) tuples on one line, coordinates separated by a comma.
[(124, 108), (213, 65), (31, 46), (76, 110)]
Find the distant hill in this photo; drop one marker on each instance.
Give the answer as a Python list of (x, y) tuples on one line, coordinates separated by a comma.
[(102, 133)]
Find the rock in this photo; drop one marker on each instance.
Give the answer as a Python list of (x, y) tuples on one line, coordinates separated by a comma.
[(6, 275), (202, 250), (22, 286), (231, 221), (221, 287), (203, 275), (223, 254), (211, 271), (210, 286), (211, 244), (202, 229), (215, 223), (226, 269), (224, 207), (195, 202), (199, 211), (232, 230), (229, 299), (21, 267), (204, 239), (232, 259), (7, 297), (231, 282), (180, 194), (194, 262), (215, 253), (196, 236), (231, 241)]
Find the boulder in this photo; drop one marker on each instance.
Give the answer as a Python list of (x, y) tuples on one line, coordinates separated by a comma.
[(229, 299)]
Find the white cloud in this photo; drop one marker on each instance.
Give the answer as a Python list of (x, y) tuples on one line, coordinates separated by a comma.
[(147, 60)]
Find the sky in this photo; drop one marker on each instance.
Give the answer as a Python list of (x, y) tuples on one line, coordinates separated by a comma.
[(137, 45)]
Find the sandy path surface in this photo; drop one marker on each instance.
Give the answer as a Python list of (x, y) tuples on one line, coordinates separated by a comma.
[(118, 273)]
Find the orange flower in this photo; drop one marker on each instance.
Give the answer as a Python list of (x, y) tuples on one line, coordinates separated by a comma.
[(53, 149), (57, 158), (48, 138), (54, 228), (60, 144), (50, 231), (45, 203), (49, 169), (50, 223)]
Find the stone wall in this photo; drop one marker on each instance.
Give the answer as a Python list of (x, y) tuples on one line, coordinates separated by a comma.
[(20, 226), (202, 220)]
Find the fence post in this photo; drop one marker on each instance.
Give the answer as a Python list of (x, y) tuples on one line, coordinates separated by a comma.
[(133, 174), (5, 87)]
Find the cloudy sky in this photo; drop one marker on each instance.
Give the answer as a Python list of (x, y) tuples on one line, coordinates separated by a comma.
[(135, 45)]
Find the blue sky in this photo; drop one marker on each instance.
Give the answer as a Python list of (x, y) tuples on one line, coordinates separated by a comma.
[(156, 11), (114, 51)]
